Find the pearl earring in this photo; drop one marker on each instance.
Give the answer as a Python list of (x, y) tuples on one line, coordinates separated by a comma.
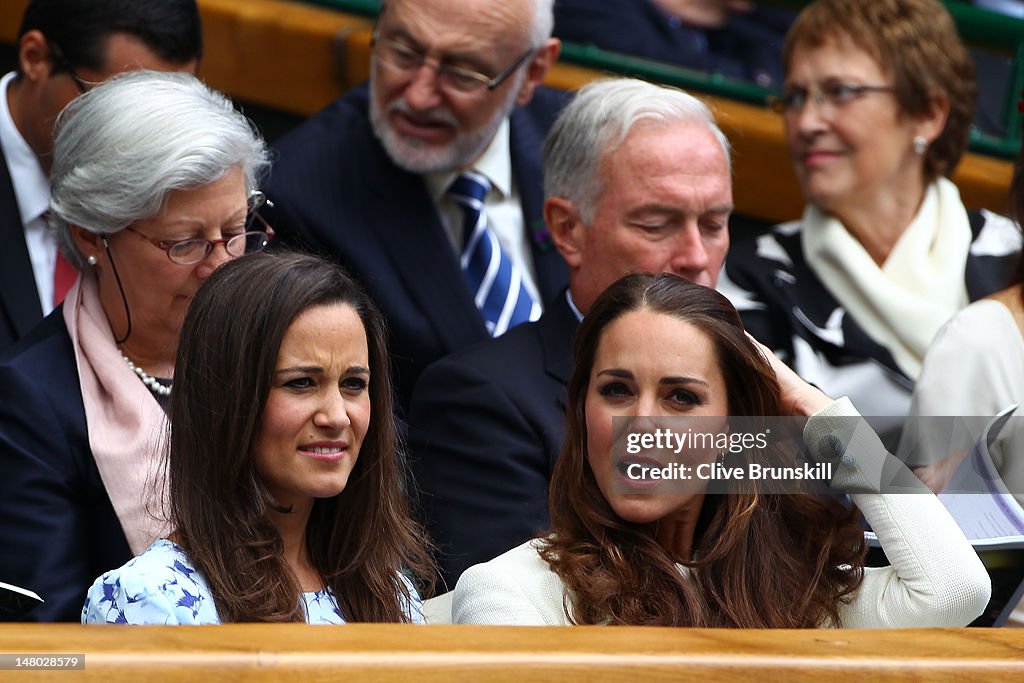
[(91, 260), (920, 145)]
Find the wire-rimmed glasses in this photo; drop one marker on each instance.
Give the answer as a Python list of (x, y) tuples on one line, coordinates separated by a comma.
[(193, 250), (405, 58), (828, 97)]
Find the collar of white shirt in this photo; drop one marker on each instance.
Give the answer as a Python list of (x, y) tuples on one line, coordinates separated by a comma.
[(495, 164), (31, 186)]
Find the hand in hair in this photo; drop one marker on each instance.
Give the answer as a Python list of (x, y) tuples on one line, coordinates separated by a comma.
[(798, 396)]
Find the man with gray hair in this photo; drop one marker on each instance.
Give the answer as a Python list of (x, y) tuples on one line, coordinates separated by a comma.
[(637, 178), (426, 185)]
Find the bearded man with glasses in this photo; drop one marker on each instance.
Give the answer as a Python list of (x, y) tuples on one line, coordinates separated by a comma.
[(426, 184)]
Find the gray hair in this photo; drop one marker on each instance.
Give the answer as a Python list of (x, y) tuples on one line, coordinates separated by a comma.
[(543, 21), (598, 120), (123, 145)]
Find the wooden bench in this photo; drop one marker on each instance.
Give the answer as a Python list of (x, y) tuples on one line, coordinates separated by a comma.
[(425, 654), (283, 55)]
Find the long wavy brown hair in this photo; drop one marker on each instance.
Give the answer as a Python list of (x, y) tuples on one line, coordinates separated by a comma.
[(761, 559), (361, 540)]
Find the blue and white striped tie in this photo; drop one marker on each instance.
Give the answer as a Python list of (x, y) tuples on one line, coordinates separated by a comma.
[(494, 280)]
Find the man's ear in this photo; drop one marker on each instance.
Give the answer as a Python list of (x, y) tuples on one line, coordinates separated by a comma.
[(34, 58), (566, 228), (537, 69)]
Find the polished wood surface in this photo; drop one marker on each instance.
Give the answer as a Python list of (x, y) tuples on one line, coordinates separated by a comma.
[(425, 654), (10, 19), (283, 55)]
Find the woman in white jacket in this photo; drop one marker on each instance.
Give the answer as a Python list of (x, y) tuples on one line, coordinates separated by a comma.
[(638, 552)]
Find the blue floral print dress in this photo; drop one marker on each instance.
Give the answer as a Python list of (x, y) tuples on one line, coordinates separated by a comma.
[(160, 586)]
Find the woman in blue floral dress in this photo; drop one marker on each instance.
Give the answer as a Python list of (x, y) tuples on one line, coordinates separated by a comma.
[(285, 487)]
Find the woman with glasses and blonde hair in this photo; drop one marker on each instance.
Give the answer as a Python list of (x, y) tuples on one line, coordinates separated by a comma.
[(877, 103), (153, 188)]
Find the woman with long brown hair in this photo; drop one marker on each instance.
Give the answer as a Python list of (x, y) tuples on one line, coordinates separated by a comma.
[(285, 491), (766, 554)]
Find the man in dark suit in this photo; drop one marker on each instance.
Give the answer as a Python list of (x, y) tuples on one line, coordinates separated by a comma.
[(65, 46), (637, 178), (370, 180)]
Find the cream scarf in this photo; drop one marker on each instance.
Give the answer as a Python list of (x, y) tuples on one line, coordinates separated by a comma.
[(904, 303), (126, 425)]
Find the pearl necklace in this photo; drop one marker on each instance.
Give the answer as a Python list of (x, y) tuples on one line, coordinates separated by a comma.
[(152, 383)]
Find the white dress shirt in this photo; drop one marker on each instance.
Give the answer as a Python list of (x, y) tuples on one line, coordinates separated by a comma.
[(32, 192)]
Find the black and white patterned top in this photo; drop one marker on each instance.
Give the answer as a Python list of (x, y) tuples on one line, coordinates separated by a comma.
[(784, 304)]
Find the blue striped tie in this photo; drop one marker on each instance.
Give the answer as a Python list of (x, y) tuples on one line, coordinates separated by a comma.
[(494, 280)]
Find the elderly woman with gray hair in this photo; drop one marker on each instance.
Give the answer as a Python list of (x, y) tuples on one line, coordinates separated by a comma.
[(153, 187)]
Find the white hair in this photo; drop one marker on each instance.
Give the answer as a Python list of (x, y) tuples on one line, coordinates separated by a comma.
[(598, 120), (543, 21), (123, 145)]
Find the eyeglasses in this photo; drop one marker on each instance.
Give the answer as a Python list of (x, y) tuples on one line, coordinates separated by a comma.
[(194, 250), (828, 97), (406, 59), (62, 64)]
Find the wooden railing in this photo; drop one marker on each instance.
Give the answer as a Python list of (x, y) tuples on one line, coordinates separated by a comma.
[(425, 654)]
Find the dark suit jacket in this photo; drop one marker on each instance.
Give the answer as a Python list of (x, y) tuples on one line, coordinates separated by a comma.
[(58, 530), (337, 192), (485, 428), (749, 47), (20, 309)]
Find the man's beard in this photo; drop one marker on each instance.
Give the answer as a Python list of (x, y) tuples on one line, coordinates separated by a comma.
[(417, 156)]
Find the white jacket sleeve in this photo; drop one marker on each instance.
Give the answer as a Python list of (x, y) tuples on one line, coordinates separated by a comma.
[(935, 577)]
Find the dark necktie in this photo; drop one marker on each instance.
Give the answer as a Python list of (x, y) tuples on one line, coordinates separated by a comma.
[(495, 282)]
